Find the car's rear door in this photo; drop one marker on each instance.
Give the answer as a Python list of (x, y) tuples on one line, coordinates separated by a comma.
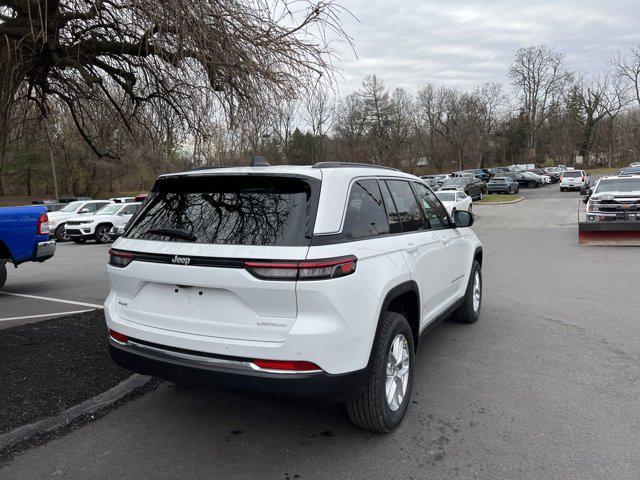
[(194, 245)]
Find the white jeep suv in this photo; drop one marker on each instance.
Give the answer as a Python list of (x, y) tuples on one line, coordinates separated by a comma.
[(98, 226), (305, 281)]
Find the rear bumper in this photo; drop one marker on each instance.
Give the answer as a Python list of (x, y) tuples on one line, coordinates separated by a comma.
[(45, 250), (197, 368)]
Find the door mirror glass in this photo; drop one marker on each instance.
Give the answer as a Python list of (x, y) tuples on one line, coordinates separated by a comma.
[(463, 219)]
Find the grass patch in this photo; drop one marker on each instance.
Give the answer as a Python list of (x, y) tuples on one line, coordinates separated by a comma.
[(603, 171), (498, 198)]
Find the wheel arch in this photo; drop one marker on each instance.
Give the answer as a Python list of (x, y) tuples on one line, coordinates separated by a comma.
[(477, 255), (404, 298), (5, 253)]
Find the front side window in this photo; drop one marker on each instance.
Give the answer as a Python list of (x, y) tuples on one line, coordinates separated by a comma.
[(434, 211), (366, 216), (407, 205), (233, 210)]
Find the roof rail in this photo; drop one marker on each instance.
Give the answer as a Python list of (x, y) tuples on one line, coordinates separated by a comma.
[(212, 167), (350, 165)]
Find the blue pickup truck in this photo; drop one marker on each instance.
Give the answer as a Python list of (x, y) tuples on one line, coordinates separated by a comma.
[(24, 237)]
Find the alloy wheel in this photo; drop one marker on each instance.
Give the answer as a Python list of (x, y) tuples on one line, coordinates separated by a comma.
[(397, 372), (477, 292)]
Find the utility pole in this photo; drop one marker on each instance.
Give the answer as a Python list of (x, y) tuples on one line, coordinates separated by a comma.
[(53, 163)]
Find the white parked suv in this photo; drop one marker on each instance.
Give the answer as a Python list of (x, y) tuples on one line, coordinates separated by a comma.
[(294, 281), (98, 226), (573, 180), (58, 219)]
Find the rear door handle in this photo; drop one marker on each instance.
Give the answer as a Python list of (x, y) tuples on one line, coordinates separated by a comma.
[(411, 248)]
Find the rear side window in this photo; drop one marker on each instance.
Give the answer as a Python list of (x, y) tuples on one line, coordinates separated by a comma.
[(233, 210), (392, 214), (434, 211), (365, 216), (406, 205)]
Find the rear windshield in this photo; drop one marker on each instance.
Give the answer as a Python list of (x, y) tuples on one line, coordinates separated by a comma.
[(618, 185), (446, 196), (572, 174), (233, 210)]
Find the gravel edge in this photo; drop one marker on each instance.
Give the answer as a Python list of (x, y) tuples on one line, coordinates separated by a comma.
[(92, 405)]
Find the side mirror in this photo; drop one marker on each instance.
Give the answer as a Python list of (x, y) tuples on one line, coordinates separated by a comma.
[(463, 219), (83, 210)]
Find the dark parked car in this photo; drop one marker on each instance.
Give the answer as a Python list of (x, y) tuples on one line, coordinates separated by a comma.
[(555, 177), (431, 181), (625, 172), (503, 184), (530, 180), (474, 187), (482, 173)]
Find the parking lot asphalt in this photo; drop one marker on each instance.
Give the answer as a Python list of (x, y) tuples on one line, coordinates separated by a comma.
[(545, 385), (73, 280)]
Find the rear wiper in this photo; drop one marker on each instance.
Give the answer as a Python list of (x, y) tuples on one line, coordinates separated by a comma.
[(171, 232)]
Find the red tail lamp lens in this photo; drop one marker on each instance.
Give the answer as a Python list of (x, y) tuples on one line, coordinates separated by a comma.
[(43, 224), (119, 259), (118, 337), (286, 365), (303, 270)]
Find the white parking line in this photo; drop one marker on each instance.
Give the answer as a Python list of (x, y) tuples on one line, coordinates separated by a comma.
[(43, 315), (49, 299)]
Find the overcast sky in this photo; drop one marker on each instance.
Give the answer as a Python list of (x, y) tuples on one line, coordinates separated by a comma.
[(463, 43)]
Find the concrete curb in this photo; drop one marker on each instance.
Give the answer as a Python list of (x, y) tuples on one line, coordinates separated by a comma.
[(91, 405), (501, 203)]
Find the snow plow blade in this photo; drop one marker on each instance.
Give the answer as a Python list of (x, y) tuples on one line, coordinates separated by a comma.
[(609, 233)]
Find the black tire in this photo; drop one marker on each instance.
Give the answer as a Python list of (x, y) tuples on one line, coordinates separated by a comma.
[(561, 189), (466, 313), (3, 274), (481, 194), (509, 191), (367, 406), (61, 235), (101, 234), (532, 184)]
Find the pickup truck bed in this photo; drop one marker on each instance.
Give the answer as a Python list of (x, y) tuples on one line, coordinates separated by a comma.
[(24, 237)]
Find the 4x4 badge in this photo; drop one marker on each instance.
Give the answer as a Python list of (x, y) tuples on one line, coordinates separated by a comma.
[(181, 260)]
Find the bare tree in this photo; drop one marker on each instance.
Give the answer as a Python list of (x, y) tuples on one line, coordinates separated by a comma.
[(121, 53), (539, 78), (319, 109), (490, 98), (627, 69)]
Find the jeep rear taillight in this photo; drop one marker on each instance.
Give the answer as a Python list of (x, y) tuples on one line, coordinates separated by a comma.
[(43, 224), (119, 259), (302, 270)]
